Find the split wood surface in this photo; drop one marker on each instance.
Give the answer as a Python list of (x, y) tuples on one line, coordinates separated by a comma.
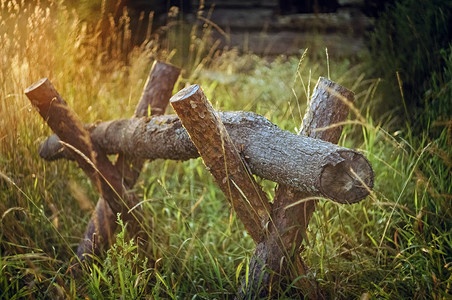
[(305, 164)]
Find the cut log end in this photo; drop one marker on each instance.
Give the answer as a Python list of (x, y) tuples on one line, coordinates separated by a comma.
[(348, 181), (43, 96), (185, 93), (35, 85)]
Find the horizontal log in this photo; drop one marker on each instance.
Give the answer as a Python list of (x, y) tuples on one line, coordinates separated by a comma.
[(313, 166)]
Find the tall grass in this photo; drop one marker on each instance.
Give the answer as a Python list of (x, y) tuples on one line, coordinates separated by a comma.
[(396, 243), (409, 43)]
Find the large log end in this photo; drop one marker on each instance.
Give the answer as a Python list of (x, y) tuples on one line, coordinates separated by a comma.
[(348, 178)]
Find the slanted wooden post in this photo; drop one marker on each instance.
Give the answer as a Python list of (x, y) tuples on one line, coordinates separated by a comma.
[(278, 255), (66, 124), (222, 158), (154, 99)]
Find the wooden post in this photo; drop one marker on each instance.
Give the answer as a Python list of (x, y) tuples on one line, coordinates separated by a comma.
[(157, 90), (70, 130), (329, 105), (155, 97), (222, 159)]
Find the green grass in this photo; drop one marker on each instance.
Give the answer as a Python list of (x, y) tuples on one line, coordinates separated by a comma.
[(395, 244), (409, 50)]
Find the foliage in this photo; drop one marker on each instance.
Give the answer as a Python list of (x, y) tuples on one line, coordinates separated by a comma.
[(122, 274), (395, 244), (407, 46)]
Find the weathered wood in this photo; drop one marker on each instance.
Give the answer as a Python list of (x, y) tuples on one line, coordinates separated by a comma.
[(303, 163), (157, 90), (233, 145), (154, 99), (222, 159), (276, 259), (66, 124), (329, 105), (98, 235)]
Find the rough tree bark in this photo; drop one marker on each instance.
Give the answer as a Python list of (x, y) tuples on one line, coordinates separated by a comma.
[(221, 157), (89, 156), (329, 105), (154, 99), (305, 164)]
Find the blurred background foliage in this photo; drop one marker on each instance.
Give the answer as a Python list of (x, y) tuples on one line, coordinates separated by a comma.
[(413, 39)]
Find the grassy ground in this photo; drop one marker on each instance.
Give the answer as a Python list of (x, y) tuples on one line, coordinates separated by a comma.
[(395, 244)]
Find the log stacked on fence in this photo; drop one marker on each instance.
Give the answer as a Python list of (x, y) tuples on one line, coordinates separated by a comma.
[(304, 163), (233, 146)]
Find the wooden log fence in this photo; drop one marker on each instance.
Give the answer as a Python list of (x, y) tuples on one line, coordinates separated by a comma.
[(233, 146), (113, 181), (154, 100), (329, 105), (304, 163)]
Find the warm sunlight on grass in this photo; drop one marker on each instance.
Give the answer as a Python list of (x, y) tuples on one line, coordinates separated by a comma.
[(397, 243)]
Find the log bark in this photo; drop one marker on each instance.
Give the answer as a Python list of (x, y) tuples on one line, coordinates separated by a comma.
[(221, 157), (154, 99), (153, 102), (98, 235), (157, 90), (328, 106), (66, 124), (309, 165)]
